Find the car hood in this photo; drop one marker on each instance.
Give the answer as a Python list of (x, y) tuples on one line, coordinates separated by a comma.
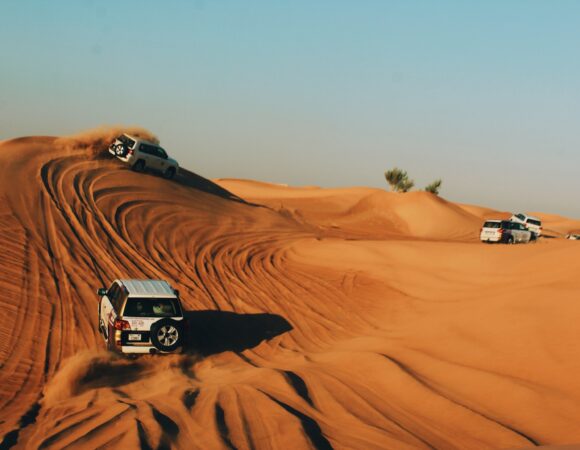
[(172, 161)]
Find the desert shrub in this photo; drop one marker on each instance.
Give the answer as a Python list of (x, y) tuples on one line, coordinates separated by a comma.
[(399, 180), (434, 187)]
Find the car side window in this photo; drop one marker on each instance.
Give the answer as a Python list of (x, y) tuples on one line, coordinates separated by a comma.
[(161, 153), (145, 149)]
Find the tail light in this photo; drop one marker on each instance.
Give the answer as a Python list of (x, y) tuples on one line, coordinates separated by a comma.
[(130, 152), (121, 325)]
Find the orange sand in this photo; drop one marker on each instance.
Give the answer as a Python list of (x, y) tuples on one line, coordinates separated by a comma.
[(347, 318)]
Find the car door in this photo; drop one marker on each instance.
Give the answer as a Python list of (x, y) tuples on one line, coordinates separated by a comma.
[(148, 154), (107, 311), (161, 157), (515, 231), (522, 231), (526, 234)]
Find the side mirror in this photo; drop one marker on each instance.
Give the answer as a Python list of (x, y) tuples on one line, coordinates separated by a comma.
[(102, 291)]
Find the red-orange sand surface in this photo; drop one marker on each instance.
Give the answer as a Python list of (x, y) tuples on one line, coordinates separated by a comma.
[(320, 318)]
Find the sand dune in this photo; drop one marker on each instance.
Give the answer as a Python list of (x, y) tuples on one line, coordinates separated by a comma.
[(321, 318)]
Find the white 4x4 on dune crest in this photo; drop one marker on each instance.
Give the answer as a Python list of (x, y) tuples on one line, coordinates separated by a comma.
[(142, 155), (141, 316)]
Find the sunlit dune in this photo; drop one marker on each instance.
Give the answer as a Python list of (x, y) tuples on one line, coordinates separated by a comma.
[(348, 318)]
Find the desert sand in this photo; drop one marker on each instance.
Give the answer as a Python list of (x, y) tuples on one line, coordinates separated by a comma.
[(349, 318)]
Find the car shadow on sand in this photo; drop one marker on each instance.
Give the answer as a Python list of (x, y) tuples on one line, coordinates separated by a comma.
[(190, 179), (211, 332)]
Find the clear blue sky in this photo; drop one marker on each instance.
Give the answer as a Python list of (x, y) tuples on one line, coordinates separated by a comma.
[(485, 95)]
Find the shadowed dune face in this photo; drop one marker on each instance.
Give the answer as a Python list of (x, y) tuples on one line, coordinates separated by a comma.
[(345, 318)]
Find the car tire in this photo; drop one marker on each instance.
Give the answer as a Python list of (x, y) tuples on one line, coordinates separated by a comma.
[(120, 150), (139, 166), (166, 335), (169, 174), (510, 240)]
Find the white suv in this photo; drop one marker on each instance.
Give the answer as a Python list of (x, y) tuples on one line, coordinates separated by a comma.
[(141, 316), (534, 224), (141, 155)]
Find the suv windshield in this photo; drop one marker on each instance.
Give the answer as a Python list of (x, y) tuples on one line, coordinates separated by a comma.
[(152, 307)]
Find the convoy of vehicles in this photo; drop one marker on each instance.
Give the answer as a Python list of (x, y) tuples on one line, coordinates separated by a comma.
[(504, 231), (518, 228), (141, 316), (145, 316), (143, 155)]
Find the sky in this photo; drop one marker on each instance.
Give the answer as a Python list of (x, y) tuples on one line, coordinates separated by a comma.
[(484, 95)]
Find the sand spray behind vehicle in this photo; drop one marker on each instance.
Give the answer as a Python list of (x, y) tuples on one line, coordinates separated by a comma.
[(97, 140), (88, 371)]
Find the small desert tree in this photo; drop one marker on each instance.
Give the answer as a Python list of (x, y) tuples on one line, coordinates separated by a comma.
[(434, 187), (399, 180), (406, 185)]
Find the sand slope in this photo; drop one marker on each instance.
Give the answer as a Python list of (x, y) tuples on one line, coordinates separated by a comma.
[(350, 318)]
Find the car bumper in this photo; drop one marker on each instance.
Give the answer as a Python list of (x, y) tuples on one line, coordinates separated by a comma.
[(142, 349), (127, 158)]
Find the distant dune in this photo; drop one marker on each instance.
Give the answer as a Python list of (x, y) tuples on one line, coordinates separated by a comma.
[(349, 318)]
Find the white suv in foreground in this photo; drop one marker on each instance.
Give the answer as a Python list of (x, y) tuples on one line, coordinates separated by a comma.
[(141, 316), (534, 224), (141, 155)]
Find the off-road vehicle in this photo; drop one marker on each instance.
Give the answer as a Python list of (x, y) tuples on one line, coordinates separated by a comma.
[(142, 155), (141, 316)]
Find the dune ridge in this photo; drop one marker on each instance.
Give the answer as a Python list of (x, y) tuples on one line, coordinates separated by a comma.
[(348, 318)]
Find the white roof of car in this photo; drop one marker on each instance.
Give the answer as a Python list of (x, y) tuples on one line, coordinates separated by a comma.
[(528, 216), (148, 288)]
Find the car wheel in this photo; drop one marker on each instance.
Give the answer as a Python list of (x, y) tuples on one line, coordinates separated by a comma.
[(166, 335), (139, 166), (120, 150), (510, 240), (169, 174)]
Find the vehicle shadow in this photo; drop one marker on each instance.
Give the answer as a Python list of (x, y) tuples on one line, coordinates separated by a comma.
[(211, 332), (190, 179)]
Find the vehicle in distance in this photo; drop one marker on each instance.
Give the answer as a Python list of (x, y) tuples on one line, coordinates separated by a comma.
[(141, 316), (573, 237), (504, 231), (143, 155), (534, 224)]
